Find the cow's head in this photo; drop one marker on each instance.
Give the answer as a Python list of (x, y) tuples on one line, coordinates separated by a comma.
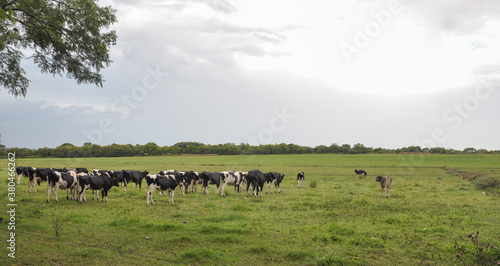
[(379, 178)]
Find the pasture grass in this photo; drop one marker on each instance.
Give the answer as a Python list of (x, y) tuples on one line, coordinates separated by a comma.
[(341, 220)]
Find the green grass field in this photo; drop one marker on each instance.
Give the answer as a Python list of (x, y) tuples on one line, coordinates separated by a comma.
[(343, 220)]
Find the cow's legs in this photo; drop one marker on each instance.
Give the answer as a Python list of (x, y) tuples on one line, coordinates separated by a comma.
[(222, 190), (48, 191)]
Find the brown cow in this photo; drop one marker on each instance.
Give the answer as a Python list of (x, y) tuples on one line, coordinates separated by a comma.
[(385, 183)]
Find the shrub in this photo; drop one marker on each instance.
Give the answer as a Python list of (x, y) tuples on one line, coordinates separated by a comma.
[(479, 253), (486, 182), (313, 184)]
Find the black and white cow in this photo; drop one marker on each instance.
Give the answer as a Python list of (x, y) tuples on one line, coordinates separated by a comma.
[(257, 179), (62, 180), (22, 171), (162, 183), (38, 175), (231, 178), (195, 181), (300, 179), (210, 178), (103, 183), (135, 177), (274, 179), (360, 172), (190, 178)]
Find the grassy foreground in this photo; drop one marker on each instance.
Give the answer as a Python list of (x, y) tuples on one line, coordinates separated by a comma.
[(342, 220)]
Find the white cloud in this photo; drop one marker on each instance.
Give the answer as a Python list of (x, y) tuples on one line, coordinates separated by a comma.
[(229, 63)]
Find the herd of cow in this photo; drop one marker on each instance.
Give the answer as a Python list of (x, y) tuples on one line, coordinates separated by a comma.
[(78, 180)]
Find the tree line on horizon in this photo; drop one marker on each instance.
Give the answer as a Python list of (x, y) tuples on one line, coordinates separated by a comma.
[(68, 150)]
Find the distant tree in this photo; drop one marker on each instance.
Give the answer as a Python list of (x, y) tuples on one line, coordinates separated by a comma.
[(469, 150), (64, 36), (345, 148)]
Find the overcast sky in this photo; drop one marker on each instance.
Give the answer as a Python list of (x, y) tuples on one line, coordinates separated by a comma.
[(382, 73)]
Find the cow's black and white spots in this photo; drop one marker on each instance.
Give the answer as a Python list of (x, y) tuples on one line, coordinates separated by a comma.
[(22, 171), (385, 183), (300, 179), (360, 172), (162, 183), (231, 178), (62, 180), (257, 179), (210, 178), (274, 179)]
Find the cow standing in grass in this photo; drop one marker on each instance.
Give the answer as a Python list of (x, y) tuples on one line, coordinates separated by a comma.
[(103, 183), (257, 179), (385, 183), (210, 178), (274, 179), (162, 183), (21, 171), (300, 179), (360, 172), (62, 180), (231, 178)]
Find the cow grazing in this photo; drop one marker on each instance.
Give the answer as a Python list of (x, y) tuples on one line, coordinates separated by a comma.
[(135, 177), (103, 183), (190, 178), (162, 183), (300, 179), (360, 172), (385, 183), (274, 179), (119, 177), (210, 178), (257, 179), (231, 178), (62, 180), (22, 171)]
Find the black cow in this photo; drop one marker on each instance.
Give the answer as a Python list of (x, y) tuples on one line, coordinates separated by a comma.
[(210, 178), (162, 183), (300, 179), (62, 180), (119, 177), (257, 179), (81, 170), (22, 171), (103, 183), (360, 172), (274, 179), (135, 177)]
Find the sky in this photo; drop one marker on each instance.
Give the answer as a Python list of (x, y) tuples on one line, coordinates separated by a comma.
[(382, 73)]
